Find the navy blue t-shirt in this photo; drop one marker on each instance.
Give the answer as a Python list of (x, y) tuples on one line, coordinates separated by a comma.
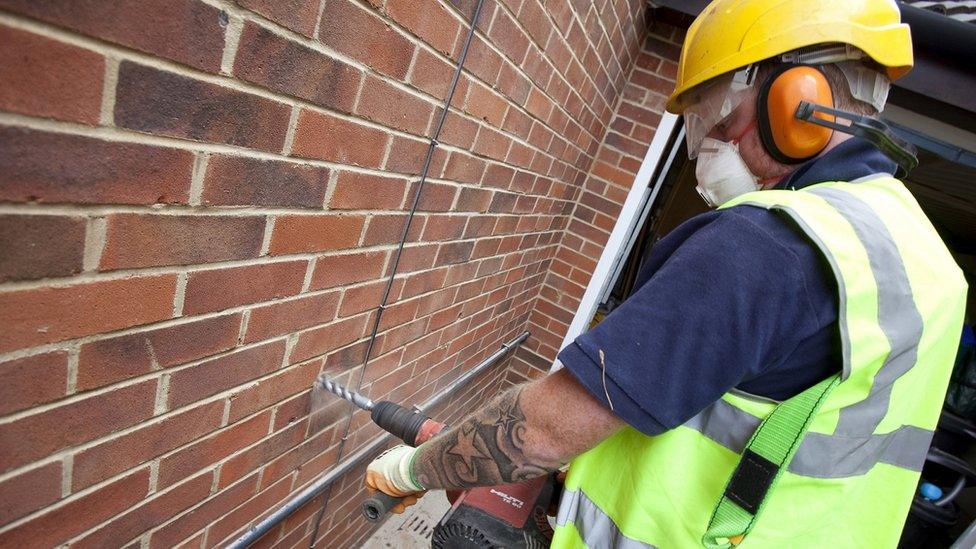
[(733, 298)]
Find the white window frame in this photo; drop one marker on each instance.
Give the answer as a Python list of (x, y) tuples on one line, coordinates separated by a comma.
[(634, 212)]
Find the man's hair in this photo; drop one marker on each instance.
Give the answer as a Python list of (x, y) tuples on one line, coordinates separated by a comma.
[(843, 99)]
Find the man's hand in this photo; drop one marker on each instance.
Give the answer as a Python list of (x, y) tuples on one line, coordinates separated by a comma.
[(390, 473)]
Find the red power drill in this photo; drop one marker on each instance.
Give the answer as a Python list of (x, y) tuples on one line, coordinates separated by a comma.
[(510, 515)]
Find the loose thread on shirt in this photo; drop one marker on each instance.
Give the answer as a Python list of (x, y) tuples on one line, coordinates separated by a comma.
[(603, 366)]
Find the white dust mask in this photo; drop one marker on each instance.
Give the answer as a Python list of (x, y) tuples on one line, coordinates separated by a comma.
[(722, 173)]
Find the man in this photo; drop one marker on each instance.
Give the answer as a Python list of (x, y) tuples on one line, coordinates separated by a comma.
[(775, 377)]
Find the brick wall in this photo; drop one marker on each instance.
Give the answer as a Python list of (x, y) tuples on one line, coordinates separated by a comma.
[(199, 204), (601, 197)]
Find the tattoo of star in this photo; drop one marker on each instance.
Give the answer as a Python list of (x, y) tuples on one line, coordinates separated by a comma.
[(468, 446)]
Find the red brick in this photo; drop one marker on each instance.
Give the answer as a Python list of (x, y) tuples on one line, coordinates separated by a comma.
[(473, 200), (436, 197), (40, 246), (242, 464), (50, 79), (289, 316), (359, 191), (464, 168), (486, 105), (427, 19), (508, 37), (146, 240), (297, 15), (408, 156), (165, 103), (335, 139), (30, 491), (187, 31), (431, 74), (171, 534), (387, 229), (229, 523), (89, 170), (114, 359), (271, 60), (242, 181), (459, 131), (46, 315), (99, 462), (204, 452), (454, 252), (482, 60), (362, 35), (315, 233), (339, 270), (35, 436), (33, 380), (318, 341), (218, 374), (218, 289), (149, 513), (283, 384), (80, 514), (444, 227), (393, 107)]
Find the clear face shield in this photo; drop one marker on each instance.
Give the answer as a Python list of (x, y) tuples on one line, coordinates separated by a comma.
[(712, 102)]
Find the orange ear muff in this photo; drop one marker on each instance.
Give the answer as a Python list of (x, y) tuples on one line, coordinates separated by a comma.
[(786, 138)]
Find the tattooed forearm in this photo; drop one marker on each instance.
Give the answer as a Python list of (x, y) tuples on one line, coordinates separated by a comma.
[(488, 448)]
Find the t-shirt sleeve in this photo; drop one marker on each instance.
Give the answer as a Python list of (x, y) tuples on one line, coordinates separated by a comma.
[(725, 305)]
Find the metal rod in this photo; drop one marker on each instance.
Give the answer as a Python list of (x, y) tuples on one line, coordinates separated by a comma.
[(326, 480)]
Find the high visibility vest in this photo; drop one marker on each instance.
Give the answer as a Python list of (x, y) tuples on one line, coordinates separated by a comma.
[(835, 466)]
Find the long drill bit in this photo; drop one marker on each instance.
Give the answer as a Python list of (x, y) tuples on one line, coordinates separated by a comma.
[(347, 394)]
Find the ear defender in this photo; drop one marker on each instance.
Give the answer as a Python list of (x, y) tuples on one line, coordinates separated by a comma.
[(786, 138)]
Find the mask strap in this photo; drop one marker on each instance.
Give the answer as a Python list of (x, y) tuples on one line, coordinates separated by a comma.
[(749, 127)]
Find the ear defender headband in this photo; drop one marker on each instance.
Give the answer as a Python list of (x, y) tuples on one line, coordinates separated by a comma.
[(786, 138)]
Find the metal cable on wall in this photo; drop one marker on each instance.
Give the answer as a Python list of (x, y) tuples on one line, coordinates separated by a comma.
[(399, 252)]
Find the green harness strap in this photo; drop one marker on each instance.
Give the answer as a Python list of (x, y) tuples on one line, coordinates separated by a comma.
[(767, 454)]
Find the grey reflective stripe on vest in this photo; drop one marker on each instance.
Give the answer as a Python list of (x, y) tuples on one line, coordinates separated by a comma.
[(595, 527), (898, 316), (854, 448)]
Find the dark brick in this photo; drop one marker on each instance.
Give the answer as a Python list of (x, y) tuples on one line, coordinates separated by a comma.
[(60, 525), (114, 359), (242, 181), (362, 35), (187, 31), (272, 61), (42, 77), (141, 240), (33, 380), (297, 15), (35, 436), (213, 376), (218, 289), (90, 171), (165, 103), (39, 246), (46, 315), (30, 491), (331, 138)]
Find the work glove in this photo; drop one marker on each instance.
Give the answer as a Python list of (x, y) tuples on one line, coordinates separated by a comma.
[(390, 473)]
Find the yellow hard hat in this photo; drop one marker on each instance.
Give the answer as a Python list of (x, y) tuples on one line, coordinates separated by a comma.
[(731, 34)]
